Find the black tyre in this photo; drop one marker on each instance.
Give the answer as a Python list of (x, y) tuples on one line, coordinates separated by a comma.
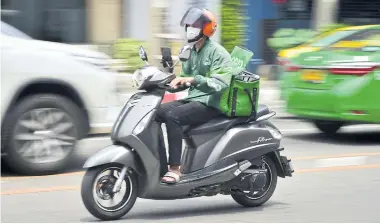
[(328, 127), (263, 196), (40, 132), (96, 191)]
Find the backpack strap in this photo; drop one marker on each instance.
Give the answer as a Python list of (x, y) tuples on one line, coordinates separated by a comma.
[(252, 100), (234, 99)]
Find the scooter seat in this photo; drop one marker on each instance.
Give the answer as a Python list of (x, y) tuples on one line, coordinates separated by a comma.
[(262, 110), (223, 122)]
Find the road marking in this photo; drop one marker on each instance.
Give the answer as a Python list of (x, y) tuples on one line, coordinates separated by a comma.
[(71, 188), (38, 177), (345, 161), (287, 131), (337, 168), (97, 139), (293, 159), (40, 190), (336, 156), (303, 130), (276, 106)]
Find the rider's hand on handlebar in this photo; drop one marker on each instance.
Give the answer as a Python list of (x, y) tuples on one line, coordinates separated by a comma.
[(181, 81)]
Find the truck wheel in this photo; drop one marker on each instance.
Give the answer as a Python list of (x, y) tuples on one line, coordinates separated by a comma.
[(328, 127), (40, 133)]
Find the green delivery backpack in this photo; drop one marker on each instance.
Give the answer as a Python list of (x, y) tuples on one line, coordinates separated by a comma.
[(241, 98)]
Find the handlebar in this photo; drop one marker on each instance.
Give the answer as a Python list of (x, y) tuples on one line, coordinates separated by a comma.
[(180, 87)]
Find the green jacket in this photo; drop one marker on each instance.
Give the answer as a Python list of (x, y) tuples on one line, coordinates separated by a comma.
[(210, 67)]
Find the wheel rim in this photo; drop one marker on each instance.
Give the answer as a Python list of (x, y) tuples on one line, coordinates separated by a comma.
[(259, 194), (44, 135), (103, 185)]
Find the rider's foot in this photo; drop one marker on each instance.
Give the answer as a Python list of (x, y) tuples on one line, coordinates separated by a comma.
[(172, 176)]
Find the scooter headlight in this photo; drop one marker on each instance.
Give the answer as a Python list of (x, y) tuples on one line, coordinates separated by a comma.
[(138, 78), (142, 74)]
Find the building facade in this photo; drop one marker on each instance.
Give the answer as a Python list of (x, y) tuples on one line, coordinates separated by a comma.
[(266, 16), (67, 21), (96, 21)]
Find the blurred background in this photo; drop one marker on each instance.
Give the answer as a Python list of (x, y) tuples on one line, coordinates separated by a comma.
[(102, 24), (66, 70)]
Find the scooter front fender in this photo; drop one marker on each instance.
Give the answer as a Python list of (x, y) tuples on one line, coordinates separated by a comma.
[(114, 154)]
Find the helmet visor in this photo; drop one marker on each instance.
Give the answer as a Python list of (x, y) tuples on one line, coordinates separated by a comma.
[(194, 17)]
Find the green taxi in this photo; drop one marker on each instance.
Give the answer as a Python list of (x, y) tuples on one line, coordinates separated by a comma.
[(334, 87)]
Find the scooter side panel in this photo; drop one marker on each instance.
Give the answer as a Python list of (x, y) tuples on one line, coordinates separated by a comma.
[(127, 122), (181, 190), (250, 140), (197, 152), (204, 138), (146, 141)]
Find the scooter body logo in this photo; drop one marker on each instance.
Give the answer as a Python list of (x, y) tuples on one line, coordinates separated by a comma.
[(260, 140)]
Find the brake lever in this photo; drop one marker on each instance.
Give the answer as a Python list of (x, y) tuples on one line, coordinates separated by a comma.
[(185, 86), (182, 87)]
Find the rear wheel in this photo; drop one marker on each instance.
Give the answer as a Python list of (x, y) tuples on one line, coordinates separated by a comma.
[(97, 195), (328, 127), (258, 198)]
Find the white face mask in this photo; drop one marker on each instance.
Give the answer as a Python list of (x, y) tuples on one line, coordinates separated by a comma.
[(192, 32)]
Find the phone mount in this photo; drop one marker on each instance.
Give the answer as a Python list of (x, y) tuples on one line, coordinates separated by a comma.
[(184, 55), (143, 55), (167, 61)]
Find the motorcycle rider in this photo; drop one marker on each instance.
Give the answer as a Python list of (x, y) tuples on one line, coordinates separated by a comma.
[(206, 71)]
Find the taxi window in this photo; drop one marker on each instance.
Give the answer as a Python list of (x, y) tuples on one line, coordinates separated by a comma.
[(371, 34), (335, 37), (371, 49)]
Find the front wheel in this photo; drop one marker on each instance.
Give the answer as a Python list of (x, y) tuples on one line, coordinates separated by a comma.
[(97, 195), (258, 198)]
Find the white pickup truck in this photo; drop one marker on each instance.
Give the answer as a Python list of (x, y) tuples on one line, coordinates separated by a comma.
[(52, 95)]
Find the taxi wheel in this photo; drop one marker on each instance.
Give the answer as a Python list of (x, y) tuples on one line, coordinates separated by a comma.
[(328, 127)]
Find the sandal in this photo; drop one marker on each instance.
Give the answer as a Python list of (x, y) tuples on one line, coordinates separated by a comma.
[(174, 176)]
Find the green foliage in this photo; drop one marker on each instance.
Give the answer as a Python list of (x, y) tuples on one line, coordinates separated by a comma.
[(233, 24), (128, 49)]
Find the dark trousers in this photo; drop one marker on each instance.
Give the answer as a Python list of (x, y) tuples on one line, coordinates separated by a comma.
[(181, 113)]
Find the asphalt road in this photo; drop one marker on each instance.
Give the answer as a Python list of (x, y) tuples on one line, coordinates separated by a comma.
[(336, 180)]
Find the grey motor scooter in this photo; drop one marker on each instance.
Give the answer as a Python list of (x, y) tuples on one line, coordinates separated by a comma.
[(231, 156)]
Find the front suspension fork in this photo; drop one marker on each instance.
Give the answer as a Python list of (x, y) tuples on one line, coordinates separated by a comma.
[(120, 179)]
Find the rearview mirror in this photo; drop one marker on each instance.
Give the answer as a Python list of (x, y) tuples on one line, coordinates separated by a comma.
[(185, 53), (143, 54)]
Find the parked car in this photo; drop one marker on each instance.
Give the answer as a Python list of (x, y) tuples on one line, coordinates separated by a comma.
[(335, 87), (52, 95)]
